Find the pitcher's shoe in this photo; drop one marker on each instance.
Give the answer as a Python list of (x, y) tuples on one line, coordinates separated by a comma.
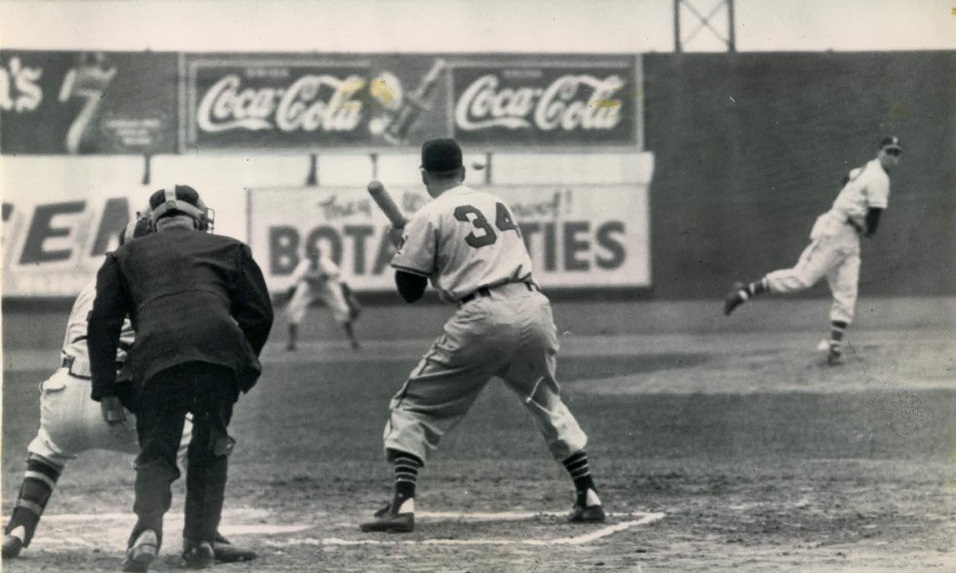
[(13, 542), (226, 552), (736, 297), (588, 510), (835, 354), (392, 520), (833, 351), (142, 552)]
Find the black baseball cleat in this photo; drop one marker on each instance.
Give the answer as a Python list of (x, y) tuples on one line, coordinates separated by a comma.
[(141, 552), (834, 355), (225, 552), (12, 544), (390, 520), (588, 510), (198, 555), (736, 297)]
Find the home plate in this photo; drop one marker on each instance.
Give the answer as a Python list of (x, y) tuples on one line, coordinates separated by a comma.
[(630, 520)]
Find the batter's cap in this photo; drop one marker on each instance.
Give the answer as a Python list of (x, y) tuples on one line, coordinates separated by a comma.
[(890, 142), (440, 155)]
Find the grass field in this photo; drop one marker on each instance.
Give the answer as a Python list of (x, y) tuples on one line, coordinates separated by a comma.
[(717, 444)]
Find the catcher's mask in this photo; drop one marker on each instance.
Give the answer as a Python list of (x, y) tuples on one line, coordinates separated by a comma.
[(181, 200)]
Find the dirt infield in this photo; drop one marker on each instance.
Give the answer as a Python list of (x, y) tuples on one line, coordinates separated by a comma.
[(719, 449)]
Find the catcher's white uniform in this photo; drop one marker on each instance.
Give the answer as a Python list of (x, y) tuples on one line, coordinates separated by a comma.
[(466, 242), (834, 249), (70, 421)]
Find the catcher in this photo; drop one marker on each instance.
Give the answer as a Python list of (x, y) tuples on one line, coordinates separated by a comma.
[(71, 423), (318, 278)]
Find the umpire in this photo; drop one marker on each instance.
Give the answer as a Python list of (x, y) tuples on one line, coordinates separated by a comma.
[(201, 311)]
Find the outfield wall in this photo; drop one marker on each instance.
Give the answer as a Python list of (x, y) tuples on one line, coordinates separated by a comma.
[(750, 148), (729, 157)]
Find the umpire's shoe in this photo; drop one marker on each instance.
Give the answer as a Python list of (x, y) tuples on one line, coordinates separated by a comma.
[(392, 520), (141, 552), (736, 297), (588, 510), (198, 555), (226, 552)]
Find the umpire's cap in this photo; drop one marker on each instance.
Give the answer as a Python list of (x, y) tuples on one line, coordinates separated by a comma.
[(441, 155), (180, 200)]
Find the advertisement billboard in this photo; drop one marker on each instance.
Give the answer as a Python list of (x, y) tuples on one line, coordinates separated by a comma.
[(53, 247), (318, 102), (83, 103), (538, 103), (369, 101), (578, 235)]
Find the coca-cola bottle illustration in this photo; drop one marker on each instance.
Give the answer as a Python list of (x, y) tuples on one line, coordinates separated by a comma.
[(415, 103)]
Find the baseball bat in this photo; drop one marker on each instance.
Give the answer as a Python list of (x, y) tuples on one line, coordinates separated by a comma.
[(386, 204)]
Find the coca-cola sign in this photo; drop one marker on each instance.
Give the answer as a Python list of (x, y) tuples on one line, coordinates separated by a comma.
[(294, 101), (237, 103), (566, 105), (310, 103)]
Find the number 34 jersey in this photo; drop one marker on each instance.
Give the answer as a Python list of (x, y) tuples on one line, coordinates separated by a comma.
[(462, 240)]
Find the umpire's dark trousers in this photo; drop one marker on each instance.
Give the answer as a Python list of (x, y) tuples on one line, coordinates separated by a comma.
[(208, 391)]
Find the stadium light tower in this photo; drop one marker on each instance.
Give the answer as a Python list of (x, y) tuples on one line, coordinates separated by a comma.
[(723, 12)]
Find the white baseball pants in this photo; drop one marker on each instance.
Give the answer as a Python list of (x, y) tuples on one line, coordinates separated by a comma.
[(834, 252), (72, 423), (509, 334)]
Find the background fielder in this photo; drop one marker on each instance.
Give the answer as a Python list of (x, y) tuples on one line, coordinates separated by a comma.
[(317, 277), (834, 250), (467, 244)]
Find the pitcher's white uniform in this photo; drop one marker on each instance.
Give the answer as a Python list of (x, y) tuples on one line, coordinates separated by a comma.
[(467, 244), (70, 421), (834, 250)]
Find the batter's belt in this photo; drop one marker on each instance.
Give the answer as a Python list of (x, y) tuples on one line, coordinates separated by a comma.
[(485, 291)]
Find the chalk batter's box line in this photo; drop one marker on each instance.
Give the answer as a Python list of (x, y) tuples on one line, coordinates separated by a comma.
[(590, 537), (279, 529)]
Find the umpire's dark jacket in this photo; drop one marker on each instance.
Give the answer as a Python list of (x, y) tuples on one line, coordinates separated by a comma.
[(191, 296)]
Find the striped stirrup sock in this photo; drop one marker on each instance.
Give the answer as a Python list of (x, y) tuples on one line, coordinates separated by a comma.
[(837, 330), (580, 472), (405, 467)]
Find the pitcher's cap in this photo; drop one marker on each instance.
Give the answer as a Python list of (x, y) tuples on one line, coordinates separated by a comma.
[(890, 142)]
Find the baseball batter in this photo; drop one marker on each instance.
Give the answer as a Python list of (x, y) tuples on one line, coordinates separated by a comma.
[(317, 277), (467, 244), (71, 423), (834, 250)]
